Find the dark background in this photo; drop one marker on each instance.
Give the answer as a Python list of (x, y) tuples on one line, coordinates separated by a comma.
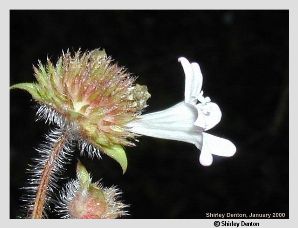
[(244, 60)]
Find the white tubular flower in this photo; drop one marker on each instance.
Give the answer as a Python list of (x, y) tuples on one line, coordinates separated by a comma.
[(188, 120)]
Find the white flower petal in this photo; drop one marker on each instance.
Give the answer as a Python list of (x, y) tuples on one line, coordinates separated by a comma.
[(188, 78), (205, 158), (217, 146), (182, 115), (193, 80), (209, 115), (187, 120), (197, 81), (175, 123)]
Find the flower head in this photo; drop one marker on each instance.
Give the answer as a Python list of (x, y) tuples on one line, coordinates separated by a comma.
[(94, 96), (83, 199), (188, 120)]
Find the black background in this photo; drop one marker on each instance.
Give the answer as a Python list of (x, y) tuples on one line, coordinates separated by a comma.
[(244, 60)]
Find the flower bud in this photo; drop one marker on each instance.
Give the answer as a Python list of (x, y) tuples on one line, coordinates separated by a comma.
[(82, 199)]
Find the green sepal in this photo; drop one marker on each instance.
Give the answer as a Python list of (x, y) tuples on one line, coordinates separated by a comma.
[(30, 88), (117, 153), (100, 52)]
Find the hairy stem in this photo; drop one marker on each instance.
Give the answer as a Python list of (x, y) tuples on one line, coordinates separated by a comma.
[(46, 174)]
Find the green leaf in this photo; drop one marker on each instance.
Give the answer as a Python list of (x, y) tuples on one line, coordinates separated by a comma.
[(83, 175), (96, 192), (29, 87), (118, 153)]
